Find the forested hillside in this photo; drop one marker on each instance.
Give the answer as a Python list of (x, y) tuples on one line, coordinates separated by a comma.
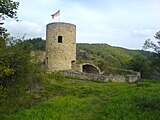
[(116, 57), (106, 57)]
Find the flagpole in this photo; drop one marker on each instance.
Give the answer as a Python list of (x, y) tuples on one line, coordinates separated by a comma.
[(59, 18), (59, 14)]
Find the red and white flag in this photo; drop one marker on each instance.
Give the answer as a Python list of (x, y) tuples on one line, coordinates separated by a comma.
[(56, 14)]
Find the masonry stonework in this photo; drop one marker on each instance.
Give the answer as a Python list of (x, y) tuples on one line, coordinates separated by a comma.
[(60, 46), (61, 56)]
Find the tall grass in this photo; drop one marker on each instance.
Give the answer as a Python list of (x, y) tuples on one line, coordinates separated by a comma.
[(72, 99)]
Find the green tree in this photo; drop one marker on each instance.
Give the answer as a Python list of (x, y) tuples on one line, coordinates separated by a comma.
[(8, 8), (149, 44), (140, 64), (156, 56), (15, 62), (38, 43)]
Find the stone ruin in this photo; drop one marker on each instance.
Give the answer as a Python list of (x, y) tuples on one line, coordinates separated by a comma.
[(60, 55)]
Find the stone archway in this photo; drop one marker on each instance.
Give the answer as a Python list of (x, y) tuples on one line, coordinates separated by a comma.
[(90, 68)]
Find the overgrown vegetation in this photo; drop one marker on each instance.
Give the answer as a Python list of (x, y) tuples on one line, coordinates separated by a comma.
[(7, 9), (17, 71), (19, 75), (156, 57), (141, 64), (72, 99)]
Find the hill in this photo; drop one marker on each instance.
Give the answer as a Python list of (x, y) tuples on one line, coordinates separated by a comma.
[(108, 57), (115, 57)]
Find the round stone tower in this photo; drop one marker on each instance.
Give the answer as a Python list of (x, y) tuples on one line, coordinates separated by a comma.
[(60, 46)]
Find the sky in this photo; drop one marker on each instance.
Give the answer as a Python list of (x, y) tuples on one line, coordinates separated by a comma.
[(123, 23)]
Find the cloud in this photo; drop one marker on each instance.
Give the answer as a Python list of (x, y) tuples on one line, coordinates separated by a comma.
[(141, 32), (119, 23), (25, 27)]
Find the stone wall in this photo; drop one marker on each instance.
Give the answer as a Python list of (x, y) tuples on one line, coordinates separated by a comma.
[(102, 78)]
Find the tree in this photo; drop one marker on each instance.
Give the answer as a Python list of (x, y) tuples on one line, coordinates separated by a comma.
[(38, 43), (149, 44), (8, 8), (140, 64), (156, 47)]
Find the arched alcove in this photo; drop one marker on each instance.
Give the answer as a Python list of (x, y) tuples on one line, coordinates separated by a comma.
[(88, 68)]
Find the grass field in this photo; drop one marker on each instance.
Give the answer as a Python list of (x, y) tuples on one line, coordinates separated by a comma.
[(71, 99)]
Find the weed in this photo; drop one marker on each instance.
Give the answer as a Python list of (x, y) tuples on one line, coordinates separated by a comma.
[(59, 98)]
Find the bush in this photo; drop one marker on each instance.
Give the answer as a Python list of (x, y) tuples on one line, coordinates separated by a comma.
[(140, 64), (16, 65)]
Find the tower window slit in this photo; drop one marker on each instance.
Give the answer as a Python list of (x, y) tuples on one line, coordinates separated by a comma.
[(46, 60), (59, 39)]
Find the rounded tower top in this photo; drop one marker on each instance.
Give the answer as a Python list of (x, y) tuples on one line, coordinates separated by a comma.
[(60, 23)]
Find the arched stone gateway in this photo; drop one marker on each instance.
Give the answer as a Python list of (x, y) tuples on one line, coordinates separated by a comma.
[(90, 68)]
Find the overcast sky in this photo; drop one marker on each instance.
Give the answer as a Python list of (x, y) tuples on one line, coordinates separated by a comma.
[(124, 23)]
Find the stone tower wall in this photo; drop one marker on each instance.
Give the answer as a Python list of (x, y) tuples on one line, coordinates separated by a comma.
[(60, 53)]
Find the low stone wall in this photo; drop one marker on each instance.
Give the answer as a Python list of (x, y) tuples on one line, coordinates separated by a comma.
[(102, 78)]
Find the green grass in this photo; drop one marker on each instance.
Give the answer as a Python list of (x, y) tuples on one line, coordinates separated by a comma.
[(62, 98)]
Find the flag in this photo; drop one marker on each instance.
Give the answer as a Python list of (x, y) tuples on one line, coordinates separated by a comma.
[(56, 14)]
